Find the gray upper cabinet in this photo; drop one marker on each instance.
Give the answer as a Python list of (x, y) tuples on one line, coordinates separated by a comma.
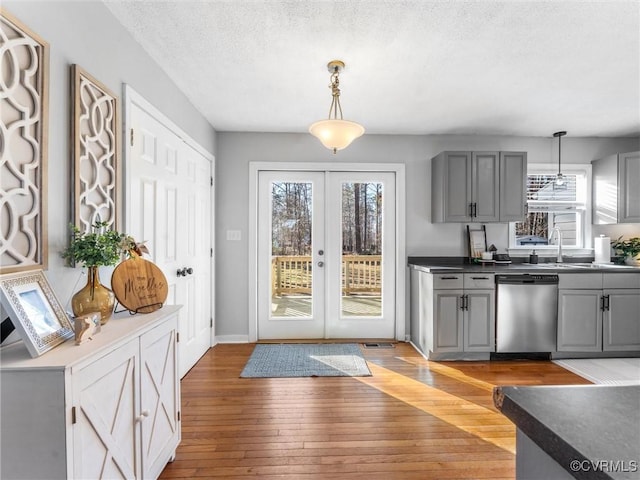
[(616, 197), (513, 186), (478, 186)]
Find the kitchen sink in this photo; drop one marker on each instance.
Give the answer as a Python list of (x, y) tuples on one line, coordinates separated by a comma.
[(581, 265)]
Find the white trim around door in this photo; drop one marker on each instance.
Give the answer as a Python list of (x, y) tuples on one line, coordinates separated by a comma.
[(400, 249)]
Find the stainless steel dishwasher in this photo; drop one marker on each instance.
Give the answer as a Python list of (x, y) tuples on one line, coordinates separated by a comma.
[(526, 313)]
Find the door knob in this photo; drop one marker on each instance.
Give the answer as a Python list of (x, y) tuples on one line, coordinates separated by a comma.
[(321, 264), (320, 252), (184, 272)]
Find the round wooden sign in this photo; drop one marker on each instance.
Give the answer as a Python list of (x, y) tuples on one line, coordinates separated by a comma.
[(139, 285)]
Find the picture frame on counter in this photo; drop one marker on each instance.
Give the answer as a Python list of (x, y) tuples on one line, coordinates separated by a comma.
[(35, 311), (477, 241)]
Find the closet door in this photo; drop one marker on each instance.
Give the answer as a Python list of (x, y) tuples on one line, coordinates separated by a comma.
[(170, 208)]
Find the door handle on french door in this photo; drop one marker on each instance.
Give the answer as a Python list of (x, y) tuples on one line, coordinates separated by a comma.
[(321, 264)]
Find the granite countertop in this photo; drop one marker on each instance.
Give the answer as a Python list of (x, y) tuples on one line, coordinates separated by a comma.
[(459, 264), (583, 423)]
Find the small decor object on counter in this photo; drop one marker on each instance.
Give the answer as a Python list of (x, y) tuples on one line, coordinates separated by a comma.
[(139, 285), (629, 249), (99, 247), (86, 326), (533, 258), (34, 311)]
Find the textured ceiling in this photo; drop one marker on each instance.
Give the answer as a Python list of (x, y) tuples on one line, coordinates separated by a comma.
[(413, 67)]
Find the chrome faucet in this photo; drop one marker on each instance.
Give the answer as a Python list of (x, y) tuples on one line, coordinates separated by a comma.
[(559, 234)]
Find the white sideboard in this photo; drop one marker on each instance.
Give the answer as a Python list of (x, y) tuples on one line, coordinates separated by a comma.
[(109, 408)]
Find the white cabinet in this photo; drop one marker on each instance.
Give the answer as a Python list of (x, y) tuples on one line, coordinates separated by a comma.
[(106, 409), (599, 312), (615, 193), (478, 186), (453, 314)]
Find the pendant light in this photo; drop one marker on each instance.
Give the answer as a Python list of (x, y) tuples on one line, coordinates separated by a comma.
[(560, 180), (336, 133)]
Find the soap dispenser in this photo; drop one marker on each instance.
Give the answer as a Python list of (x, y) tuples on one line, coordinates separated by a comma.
[(533, 258)]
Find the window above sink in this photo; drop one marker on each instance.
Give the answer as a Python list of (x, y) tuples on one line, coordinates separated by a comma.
[(549, 207)]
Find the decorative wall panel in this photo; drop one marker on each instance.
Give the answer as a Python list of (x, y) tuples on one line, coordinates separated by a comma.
[(24, 82), (96, 152)]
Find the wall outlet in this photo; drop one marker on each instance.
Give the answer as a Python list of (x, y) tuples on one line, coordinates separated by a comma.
[(234, 235)]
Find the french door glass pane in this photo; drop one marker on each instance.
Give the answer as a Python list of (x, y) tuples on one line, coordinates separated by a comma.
[(361, 250), (291, 249)]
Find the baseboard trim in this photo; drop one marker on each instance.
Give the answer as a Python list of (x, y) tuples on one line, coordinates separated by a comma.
[(232, 339)]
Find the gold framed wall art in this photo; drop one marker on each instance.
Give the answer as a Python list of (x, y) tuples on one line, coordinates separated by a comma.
[(96, 152), (24, 112)]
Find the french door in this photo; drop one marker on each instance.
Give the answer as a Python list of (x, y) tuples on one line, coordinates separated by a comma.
[(326, 254)]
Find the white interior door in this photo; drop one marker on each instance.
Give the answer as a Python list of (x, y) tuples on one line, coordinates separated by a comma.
[(326, 255), (169, 206), (291, 255)]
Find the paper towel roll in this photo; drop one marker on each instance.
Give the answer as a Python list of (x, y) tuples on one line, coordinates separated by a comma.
[(602, 247)]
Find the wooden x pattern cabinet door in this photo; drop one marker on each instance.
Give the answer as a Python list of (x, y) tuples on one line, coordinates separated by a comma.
[(160, 398), (104, 437)]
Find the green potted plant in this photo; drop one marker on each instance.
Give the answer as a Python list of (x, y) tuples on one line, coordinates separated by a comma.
[(95, 248), (628, 249)]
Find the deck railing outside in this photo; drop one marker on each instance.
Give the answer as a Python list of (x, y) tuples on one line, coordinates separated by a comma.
[(292, 274)]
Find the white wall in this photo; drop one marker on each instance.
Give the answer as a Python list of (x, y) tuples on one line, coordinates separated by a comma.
[(87, 34), (236, 150)]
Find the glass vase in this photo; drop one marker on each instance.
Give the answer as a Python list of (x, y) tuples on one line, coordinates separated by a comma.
[(94, 297)]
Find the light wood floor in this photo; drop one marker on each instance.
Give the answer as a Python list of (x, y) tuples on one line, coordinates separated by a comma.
[(412, 419)]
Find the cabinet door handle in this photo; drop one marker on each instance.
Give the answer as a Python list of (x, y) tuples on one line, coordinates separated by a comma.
[(479, 278), (475, 210), (448, 278), (144, 414), (471, 210), (606, 302), (602, 303), (464, 302)]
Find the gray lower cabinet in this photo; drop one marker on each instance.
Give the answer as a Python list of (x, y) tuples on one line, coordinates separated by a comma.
[(478, 186), (615, 193), (447, 321), (579, 320), (621, 320), (479, 321), (599, 313), (453, 315)]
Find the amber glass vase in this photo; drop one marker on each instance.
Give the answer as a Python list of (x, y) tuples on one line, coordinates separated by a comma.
[(94, 297)]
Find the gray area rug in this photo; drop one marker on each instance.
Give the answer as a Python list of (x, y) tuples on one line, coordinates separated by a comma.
[(306, 360)]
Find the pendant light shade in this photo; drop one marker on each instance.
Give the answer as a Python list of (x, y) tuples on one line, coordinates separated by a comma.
[(335, 133), (560, 180)]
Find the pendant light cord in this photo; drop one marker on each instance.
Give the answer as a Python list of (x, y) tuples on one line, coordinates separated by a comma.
[(335, 94)]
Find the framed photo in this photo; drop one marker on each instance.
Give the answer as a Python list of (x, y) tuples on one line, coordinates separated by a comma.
[(35, 311)]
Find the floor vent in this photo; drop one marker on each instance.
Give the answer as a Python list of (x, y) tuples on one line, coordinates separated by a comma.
[(379, 345)]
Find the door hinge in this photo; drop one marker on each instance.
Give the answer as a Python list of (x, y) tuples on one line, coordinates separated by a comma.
[(211, 322), (212, 181), (179, 417), (211, 255), (131, 137), (177, 337), (73, 415)]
